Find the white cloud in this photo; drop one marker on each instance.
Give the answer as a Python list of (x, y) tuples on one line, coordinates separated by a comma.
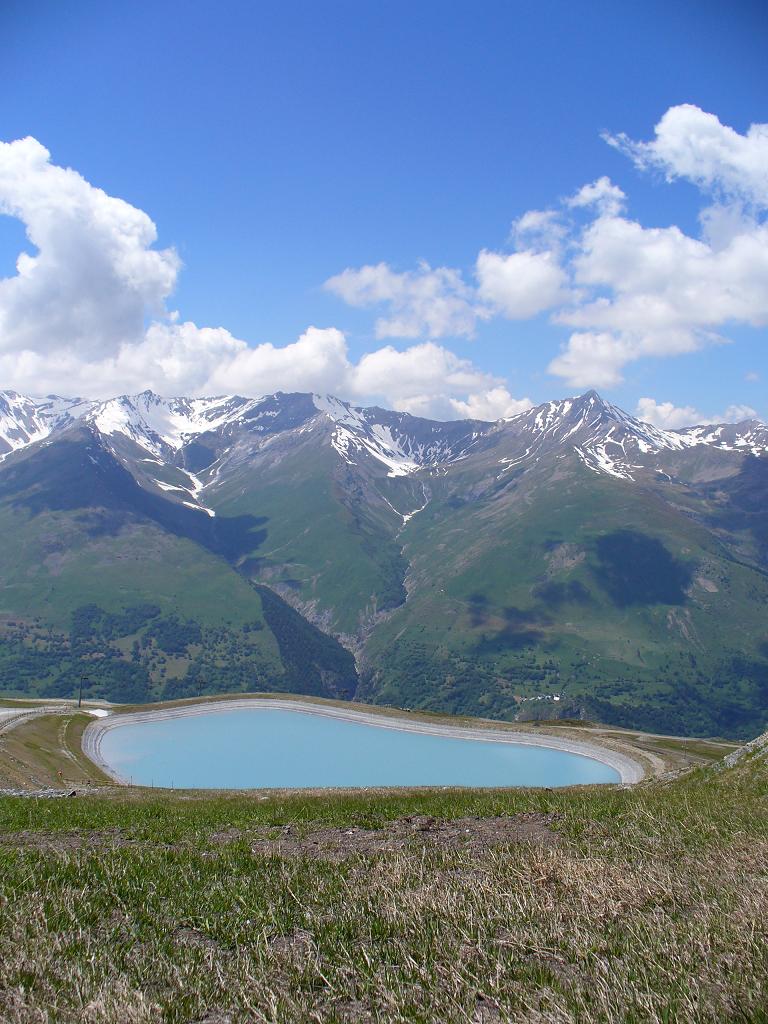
[(602, 194), (626, 290), (693, 144), (437, 302), (662, 279), (75, 315), (667, 415), (86, 314), (673, 417), (592, 359), (425, 302), (752, 376), (538, 230), (659, 292), (317, 361), (494, 404), (521, 284), (425, 380), (94, 276), (737, 414)]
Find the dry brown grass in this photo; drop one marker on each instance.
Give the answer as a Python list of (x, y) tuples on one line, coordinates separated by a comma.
[(33, 753), (650, 906)]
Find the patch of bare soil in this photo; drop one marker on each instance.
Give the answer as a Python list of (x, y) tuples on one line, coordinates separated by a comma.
[(334, 844), (194, 937), (297, 943), (71, 842), (352, 1011), (338, 844)]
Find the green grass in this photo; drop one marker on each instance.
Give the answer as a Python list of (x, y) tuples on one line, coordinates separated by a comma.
[(112, 571), (648, 907)]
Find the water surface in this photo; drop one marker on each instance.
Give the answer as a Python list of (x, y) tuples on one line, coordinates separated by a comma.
[(267, 747)]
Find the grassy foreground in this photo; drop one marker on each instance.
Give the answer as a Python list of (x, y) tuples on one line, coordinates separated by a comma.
[(593, 904)]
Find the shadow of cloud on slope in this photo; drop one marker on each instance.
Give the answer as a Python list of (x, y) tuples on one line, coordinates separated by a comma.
[(478, 609), (741, 505), (78, 476), (555, 594), (519, 631), (635, 569)]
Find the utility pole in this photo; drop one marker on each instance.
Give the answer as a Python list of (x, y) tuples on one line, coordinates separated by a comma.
[(80, 694)]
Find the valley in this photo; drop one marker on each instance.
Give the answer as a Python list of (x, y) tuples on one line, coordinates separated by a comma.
[(570, 561)]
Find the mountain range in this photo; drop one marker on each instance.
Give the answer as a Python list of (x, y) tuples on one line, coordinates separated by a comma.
[(570, 560)]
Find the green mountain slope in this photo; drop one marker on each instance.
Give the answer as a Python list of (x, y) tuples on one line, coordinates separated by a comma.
[(328, 542), (591, 590), (108, 584)]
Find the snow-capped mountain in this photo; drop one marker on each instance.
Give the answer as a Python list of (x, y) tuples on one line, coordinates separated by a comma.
[(163, 425), (401, 442), (609, 441), (24, 420), (749, 436), (602, 436)]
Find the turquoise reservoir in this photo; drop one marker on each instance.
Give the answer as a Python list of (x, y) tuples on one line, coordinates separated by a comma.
[(257, 748)]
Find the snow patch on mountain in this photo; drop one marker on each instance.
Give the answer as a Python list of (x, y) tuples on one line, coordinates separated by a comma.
[(356, 433), (749, 436), (25, 420), (158, 424), (402, 443)]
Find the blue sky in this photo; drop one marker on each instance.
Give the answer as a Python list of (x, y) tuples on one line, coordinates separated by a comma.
[(275, 146)]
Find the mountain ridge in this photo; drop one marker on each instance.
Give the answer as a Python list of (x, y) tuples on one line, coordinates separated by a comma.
[(166, 425)]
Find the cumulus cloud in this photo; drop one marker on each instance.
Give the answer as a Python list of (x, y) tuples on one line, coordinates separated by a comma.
[(93, 275), (693, 144), (87, 309), (649, 291), (602, 194), (425, 302), (424, 379), (658, 292), (593, 359), (538, 230), (86, 313), (521, 284), (184, 359), (667, 415), (494, 404), (437, 302), (674, 417), (627, 291)]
